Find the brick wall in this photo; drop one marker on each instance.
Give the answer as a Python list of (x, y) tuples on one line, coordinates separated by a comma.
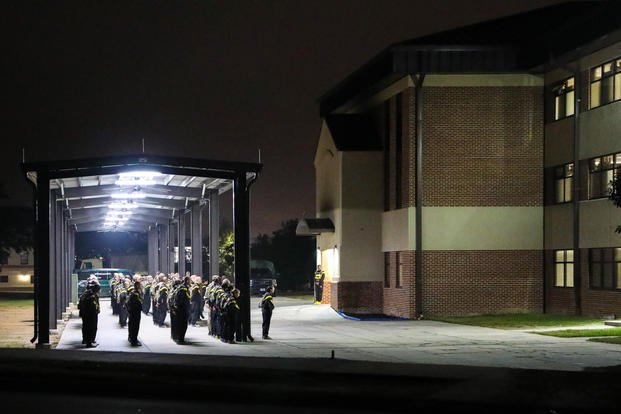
[(595, 302), (357, 297), (481, 282), (399, 301), (483, 146)]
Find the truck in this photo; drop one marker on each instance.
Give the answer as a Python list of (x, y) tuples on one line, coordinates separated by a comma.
[(262, 275)]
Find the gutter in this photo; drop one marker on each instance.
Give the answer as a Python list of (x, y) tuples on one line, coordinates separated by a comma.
[(418, 256)]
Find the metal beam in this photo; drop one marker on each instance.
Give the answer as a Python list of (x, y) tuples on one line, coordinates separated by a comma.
[(214, 234), (155, 212), (144, 202), (181, 241), (241, 224), (164, 247), (152, 250), (101, 227), (197, 239), (94, 220), (42, 257), (106, 190)]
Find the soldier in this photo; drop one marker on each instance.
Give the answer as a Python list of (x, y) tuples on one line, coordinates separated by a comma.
[(123, 289), (210, 300), (230, 310), (319, 277), (219, 294), (89, 310), (181, 309), (146, 295), (172, 310), (195, 300), (267, 306), (113, 300), (161, 301), (134, 308)]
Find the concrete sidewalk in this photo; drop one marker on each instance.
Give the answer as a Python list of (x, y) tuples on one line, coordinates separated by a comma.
[(302, 330)]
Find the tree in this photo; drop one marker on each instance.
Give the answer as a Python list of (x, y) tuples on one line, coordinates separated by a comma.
[(293, 256), (227, 254), (16, 230), (615, 196)]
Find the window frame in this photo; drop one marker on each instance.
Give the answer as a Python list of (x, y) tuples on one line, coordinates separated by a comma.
[(566, 177), (563, 93), (565, 263), (601, 262), (598, 75), (597, 170)]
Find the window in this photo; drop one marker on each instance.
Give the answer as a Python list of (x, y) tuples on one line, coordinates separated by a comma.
[(386, 269), (32, 279), (4, 261), (4, 279), (606, 83), (605, 268), (563, 180), (602, 171), (399, 282), (564, 268), (563, 94), (23, 258)]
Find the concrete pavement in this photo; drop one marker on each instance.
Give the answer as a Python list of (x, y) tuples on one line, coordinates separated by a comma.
[(301, 330)]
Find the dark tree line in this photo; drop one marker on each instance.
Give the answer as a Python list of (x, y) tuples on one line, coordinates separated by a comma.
[(293, 256)]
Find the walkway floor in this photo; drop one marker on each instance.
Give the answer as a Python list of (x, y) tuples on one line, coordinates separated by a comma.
[(302, 330)]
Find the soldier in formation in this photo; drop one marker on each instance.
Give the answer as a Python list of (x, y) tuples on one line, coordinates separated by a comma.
[(89, 311)]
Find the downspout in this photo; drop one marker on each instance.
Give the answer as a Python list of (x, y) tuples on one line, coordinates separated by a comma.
[(418, 256), (576, 192)]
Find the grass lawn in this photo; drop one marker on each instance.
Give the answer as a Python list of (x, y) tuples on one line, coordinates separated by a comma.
[(607, 339), (519, 320), (16, 303), (582, 333)]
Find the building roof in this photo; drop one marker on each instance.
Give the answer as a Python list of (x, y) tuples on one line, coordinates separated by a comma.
[(521, 43), (314, 226), (353, 132)]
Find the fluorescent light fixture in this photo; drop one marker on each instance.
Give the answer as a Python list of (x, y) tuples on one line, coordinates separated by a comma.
[(121, 206), (138, 178), (128, 195)]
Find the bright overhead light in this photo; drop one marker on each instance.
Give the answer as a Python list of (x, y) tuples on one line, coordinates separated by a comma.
[(122, 206), (134, 178), (128, 195)]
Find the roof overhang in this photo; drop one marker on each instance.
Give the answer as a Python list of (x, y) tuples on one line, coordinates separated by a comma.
[(314, 227)]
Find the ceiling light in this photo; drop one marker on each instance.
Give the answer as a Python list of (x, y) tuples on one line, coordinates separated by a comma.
[(121, 206)]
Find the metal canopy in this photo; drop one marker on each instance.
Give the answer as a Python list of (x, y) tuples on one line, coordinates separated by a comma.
[(156, 194), (86, 188)]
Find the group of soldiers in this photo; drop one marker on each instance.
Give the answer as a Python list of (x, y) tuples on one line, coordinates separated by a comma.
[(183, 298)]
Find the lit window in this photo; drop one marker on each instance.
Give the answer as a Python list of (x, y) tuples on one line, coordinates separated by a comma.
[(605, 83), (23, 258), (563, 93), (563, 180), (602, 172), (564, 268), (605, 268)]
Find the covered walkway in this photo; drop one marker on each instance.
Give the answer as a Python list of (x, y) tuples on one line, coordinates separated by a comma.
[(168, 198)]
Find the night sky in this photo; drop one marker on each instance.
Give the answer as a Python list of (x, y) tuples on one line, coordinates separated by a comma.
[(204, 79)]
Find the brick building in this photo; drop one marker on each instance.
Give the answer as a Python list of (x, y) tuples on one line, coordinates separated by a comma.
[(16, 272), (446, 165)]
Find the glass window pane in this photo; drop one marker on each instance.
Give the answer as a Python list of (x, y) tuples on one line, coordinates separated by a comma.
[(569, 170), (618, 254), (557, 108), (570, 83), (596, 255), (607, 161), (569, 255), (595, 185), (568, 182), (607, 255), (607, 91), (607, 276), (596, 276), (596, 73), (618, 159), (559, 256), (595, 164), (560, 275), (560, 193), (569, 279), (606, 182), (608, 68), (618, 86), (596, 94), (569, 102)]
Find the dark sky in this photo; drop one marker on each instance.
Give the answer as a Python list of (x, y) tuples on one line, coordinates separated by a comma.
[(205, 79)]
